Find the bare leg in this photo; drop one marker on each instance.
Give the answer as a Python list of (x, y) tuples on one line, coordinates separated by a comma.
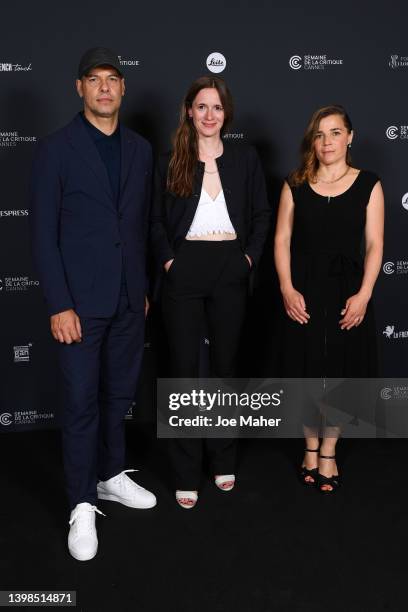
[(310, 460), (328, 467)]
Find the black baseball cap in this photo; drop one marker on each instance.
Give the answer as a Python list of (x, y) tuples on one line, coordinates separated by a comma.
[(98, 56)]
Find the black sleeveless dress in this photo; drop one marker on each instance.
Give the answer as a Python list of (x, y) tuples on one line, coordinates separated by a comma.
[(327, 257)]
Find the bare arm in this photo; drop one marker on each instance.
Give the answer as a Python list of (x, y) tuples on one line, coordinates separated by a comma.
[(283, 235), (374, 237), (293, 300), (355, 308)]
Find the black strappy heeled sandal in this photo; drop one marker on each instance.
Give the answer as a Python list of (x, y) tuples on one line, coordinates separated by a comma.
[(313, 473), (333, 481)]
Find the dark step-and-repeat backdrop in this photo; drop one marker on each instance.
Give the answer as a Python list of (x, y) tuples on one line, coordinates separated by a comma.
[(281, 60)]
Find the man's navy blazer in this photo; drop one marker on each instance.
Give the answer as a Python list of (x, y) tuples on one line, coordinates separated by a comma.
[(81, 236)]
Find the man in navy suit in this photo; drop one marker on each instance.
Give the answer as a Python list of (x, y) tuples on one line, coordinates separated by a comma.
[(90, 195)]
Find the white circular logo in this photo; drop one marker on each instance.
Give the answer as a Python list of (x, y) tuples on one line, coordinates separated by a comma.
[(386, 393), (295, 62), (405, 201), (5, 418), (216, 62), (388, 267), (392, 132)]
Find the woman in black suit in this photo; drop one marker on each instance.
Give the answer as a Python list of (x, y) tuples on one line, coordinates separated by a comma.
[(209, 224)]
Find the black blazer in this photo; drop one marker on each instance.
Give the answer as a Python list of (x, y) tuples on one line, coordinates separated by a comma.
[(80, 237), (244, 188)]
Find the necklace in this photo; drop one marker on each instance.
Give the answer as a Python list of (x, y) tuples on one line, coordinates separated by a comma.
[(216, 154), (336, 179)]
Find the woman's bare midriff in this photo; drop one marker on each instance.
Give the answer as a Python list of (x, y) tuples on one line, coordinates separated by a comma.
[(214, 237)]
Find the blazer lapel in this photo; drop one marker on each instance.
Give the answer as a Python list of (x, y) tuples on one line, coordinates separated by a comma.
[(84, 146), (225, 168), (127, 148)]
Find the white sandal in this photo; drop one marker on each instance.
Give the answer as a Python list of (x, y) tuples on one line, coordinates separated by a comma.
[(193, 495), (220, 480)]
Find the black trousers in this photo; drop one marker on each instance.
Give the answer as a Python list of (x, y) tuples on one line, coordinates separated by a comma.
[(207, 283), (99, 379)]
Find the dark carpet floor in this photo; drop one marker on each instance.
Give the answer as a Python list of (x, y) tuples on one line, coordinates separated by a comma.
[(269, 545)]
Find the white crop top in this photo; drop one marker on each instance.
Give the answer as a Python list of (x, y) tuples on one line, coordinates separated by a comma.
[(211, 216)]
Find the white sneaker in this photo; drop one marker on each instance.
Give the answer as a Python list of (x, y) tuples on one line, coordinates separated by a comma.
[(124, 490), (82, 538)]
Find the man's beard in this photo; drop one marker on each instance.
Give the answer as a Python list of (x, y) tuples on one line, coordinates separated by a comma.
[(105, 114), (101, 113)]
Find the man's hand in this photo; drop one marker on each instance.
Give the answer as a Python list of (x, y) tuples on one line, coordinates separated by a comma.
[(66, 327), (147, 306)]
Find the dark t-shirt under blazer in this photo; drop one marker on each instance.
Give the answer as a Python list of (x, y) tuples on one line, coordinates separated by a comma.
[(109, 150), (245, 194)]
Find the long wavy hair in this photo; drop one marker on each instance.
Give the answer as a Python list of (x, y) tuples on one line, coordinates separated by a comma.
[(309, 163), (180, 177)]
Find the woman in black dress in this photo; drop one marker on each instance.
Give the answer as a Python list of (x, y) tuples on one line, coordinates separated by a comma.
[(327, 208), (210, 220)]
